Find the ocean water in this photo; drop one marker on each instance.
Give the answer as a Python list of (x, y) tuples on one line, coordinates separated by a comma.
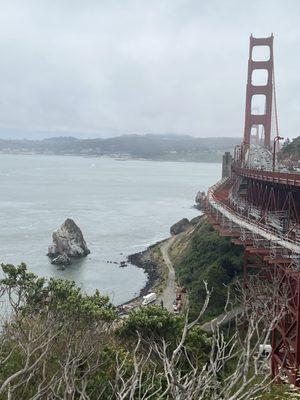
[(120, 206)]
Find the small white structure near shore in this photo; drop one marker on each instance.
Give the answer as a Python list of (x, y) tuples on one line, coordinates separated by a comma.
[(149, 298)]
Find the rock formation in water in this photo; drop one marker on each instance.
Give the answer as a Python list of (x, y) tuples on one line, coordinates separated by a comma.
[(200, 200), (180, 226), (68, 242)]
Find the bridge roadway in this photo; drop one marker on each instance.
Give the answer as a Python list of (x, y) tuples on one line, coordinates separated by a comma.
[(284, 178), (218, 199)]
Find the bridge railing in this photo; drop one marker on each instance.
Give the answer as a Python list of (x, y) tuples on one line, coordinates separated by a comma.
[(255, 225), (286, 178)]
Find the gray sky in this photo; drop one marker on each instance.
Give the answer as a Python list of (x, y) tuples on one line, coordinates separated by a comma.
[(102, 68)]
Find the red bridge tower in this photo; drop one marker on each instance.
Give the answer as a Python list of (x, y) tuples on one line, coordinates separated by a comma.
[(258, 207), (263, 119)]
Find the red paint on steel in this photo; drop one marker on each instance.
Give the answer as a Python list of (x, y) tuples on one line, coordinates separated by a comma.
[(260, 210), (283, 178), (264, 119), (286, 332)]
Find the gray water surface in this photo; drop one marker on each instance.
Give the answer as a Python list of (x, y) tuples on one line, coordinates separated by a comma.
[(120, 206)]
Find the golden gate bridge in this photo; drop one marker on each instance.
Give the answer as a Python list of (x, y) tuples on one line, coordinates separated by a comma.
[(257, 205)]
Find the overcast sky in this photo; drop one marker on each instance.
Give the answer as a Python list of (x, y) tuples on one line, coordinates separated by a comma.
[(103, 68)]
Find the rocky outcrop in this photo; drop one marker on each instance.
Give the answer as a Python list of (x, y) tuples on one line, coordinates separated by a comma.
[(200, 200), (180, 226), (68, 242)]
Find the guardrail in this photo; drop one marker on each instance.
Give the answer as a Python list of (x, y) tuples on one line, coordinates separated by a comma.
[(285, 178)]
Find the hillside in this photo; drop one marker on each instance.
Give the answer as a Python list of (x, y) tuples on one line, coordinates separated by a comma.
[(202, 255), (152, 147), (291, 150)]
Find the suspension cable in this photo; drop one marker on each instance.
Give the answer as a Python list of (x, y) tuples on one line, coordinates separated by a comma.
[(275, 104)]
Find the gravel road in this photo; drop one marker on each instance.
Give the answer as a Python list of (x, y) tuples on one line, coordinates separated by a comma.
[(169, 293)]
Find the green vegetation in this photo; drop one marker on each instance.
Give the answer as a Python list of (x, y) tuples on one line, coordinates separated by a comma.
[(60, 343), (152, 322), (30, 295), (53, 327), (280, 392), (290, 150), (211, 258)]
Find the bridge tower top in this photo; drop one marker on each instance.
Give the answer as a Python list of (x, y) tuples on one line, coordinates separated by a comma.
[(262, 119)]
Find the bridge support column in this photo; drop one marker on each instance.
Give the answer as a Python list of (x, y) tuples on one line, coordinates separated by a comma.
[(264, 117)]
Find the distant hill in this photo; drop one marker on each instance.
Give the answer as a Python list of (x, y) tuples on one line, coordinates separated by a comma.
[(151, 147), (291, 150)]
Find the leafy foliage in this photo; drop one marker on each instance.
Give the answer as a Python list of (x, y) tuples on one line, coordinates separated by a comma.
[(30, 294), (152, 321), (290, 150), (60, 340), (61, 343), (211, 258)]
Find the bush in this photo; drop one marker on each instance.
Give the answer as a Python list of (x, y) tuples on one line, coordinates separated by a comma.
[(151, 322)]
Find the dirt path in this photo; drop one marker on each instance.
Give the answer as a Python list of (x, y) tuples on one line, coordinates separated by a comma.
[(221, 319), (169, 293)]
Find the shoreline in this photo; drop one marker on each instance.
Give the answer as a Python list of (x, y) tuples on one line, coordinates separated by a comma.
[(154, 270), (153, 265)]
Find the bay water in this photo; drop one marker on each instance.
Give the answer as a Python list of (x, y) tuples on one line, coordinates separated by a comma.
[(120, 206)]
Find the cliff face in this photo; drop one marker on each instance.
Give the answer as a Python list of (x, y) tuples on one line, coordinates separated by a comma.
[(68, 242)]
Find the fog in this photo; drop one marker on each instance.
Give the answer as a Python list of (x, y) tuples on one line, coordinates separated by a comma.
[(104, 68)]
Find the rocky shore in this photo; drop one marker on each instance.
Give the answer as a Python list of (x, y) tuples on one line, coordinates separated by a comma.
[(146, 260), (150, 260)]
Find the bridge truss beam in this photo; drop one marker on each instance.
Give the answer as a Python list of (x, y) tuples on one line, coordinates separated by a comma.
[(274, 255)]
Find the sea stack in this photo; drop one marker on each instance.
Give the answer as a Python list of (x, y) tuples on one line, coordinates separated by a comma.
[(200, 200), (68, 243)]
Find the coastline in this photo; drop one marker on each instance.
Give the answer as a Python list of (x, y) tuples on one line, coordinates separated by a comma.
[(148, 260), (152, 261)]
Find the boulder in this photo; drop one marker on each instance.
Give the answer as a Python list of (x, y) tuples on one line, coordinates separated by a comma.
[(180, 226), (68, 242)]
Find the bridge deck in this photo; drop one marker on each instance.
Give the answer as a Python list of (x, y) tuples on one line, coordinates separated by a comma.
[(283, 178), (218, 198)]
